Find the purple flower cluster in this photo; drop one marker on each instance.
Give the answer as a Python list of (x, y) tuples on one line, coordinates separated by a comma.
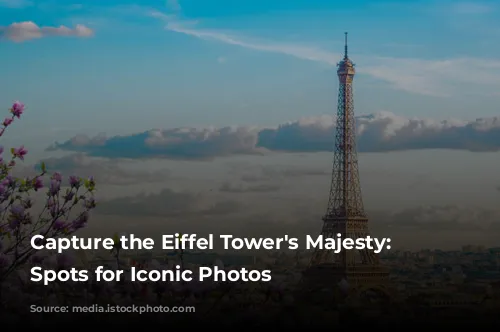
[(66, 207), (17, 109)]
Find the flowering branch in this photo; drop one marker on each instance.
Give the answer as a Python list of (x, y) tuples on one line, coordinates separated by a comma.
[(64, 210)]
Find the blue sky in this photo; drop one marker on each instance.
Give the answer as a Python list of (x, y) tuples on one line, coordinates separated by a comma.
[(134, 66), (428, 77)]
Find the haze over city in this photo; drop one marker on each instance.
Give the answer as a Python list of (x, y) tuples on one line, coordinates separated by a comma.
[(225, 111)]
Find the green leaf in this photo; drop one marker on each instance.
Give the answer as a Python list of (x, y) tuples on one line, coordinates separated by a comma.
[(43, 167), (12, 150), (116, 238)]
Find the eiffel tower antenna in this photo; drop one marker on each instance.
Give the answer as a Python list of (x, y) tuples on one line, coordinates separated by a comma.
[(345, 47)]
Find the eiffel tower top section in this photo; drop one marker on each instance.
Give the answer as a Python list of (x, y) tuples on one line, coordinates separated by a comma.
[(345, 200), (346, 69)]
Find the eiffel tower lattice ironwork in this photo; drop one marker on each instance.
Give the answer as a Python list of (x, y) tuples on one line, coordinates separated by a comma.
[(345, 214)]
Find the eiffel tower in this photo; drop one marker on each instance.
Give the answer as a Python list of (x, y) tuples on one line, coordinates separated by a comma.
[(352, 269)]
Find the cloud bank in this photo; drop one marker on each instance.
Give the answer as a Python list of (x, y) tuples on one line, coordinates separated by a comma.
[(378, 132), (23, 31), (104, 171)]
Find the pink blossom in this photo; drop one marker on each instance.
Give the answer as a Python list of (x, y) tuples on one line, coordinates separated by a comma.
[(20, 152), (17, 109), (38, 183), (74, 181), (7, 121), (9, 181), (59, 225), (55, 187), (57, 177)]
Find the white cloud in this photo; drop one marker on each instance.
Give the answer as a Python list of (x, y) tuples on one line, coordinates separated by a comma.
[(221, 60), (302, 52), (22, 31), (441, 78)]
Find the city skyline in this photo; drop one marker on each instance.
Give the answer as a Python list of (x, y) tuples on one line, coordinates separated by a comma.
[(242, 98)]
